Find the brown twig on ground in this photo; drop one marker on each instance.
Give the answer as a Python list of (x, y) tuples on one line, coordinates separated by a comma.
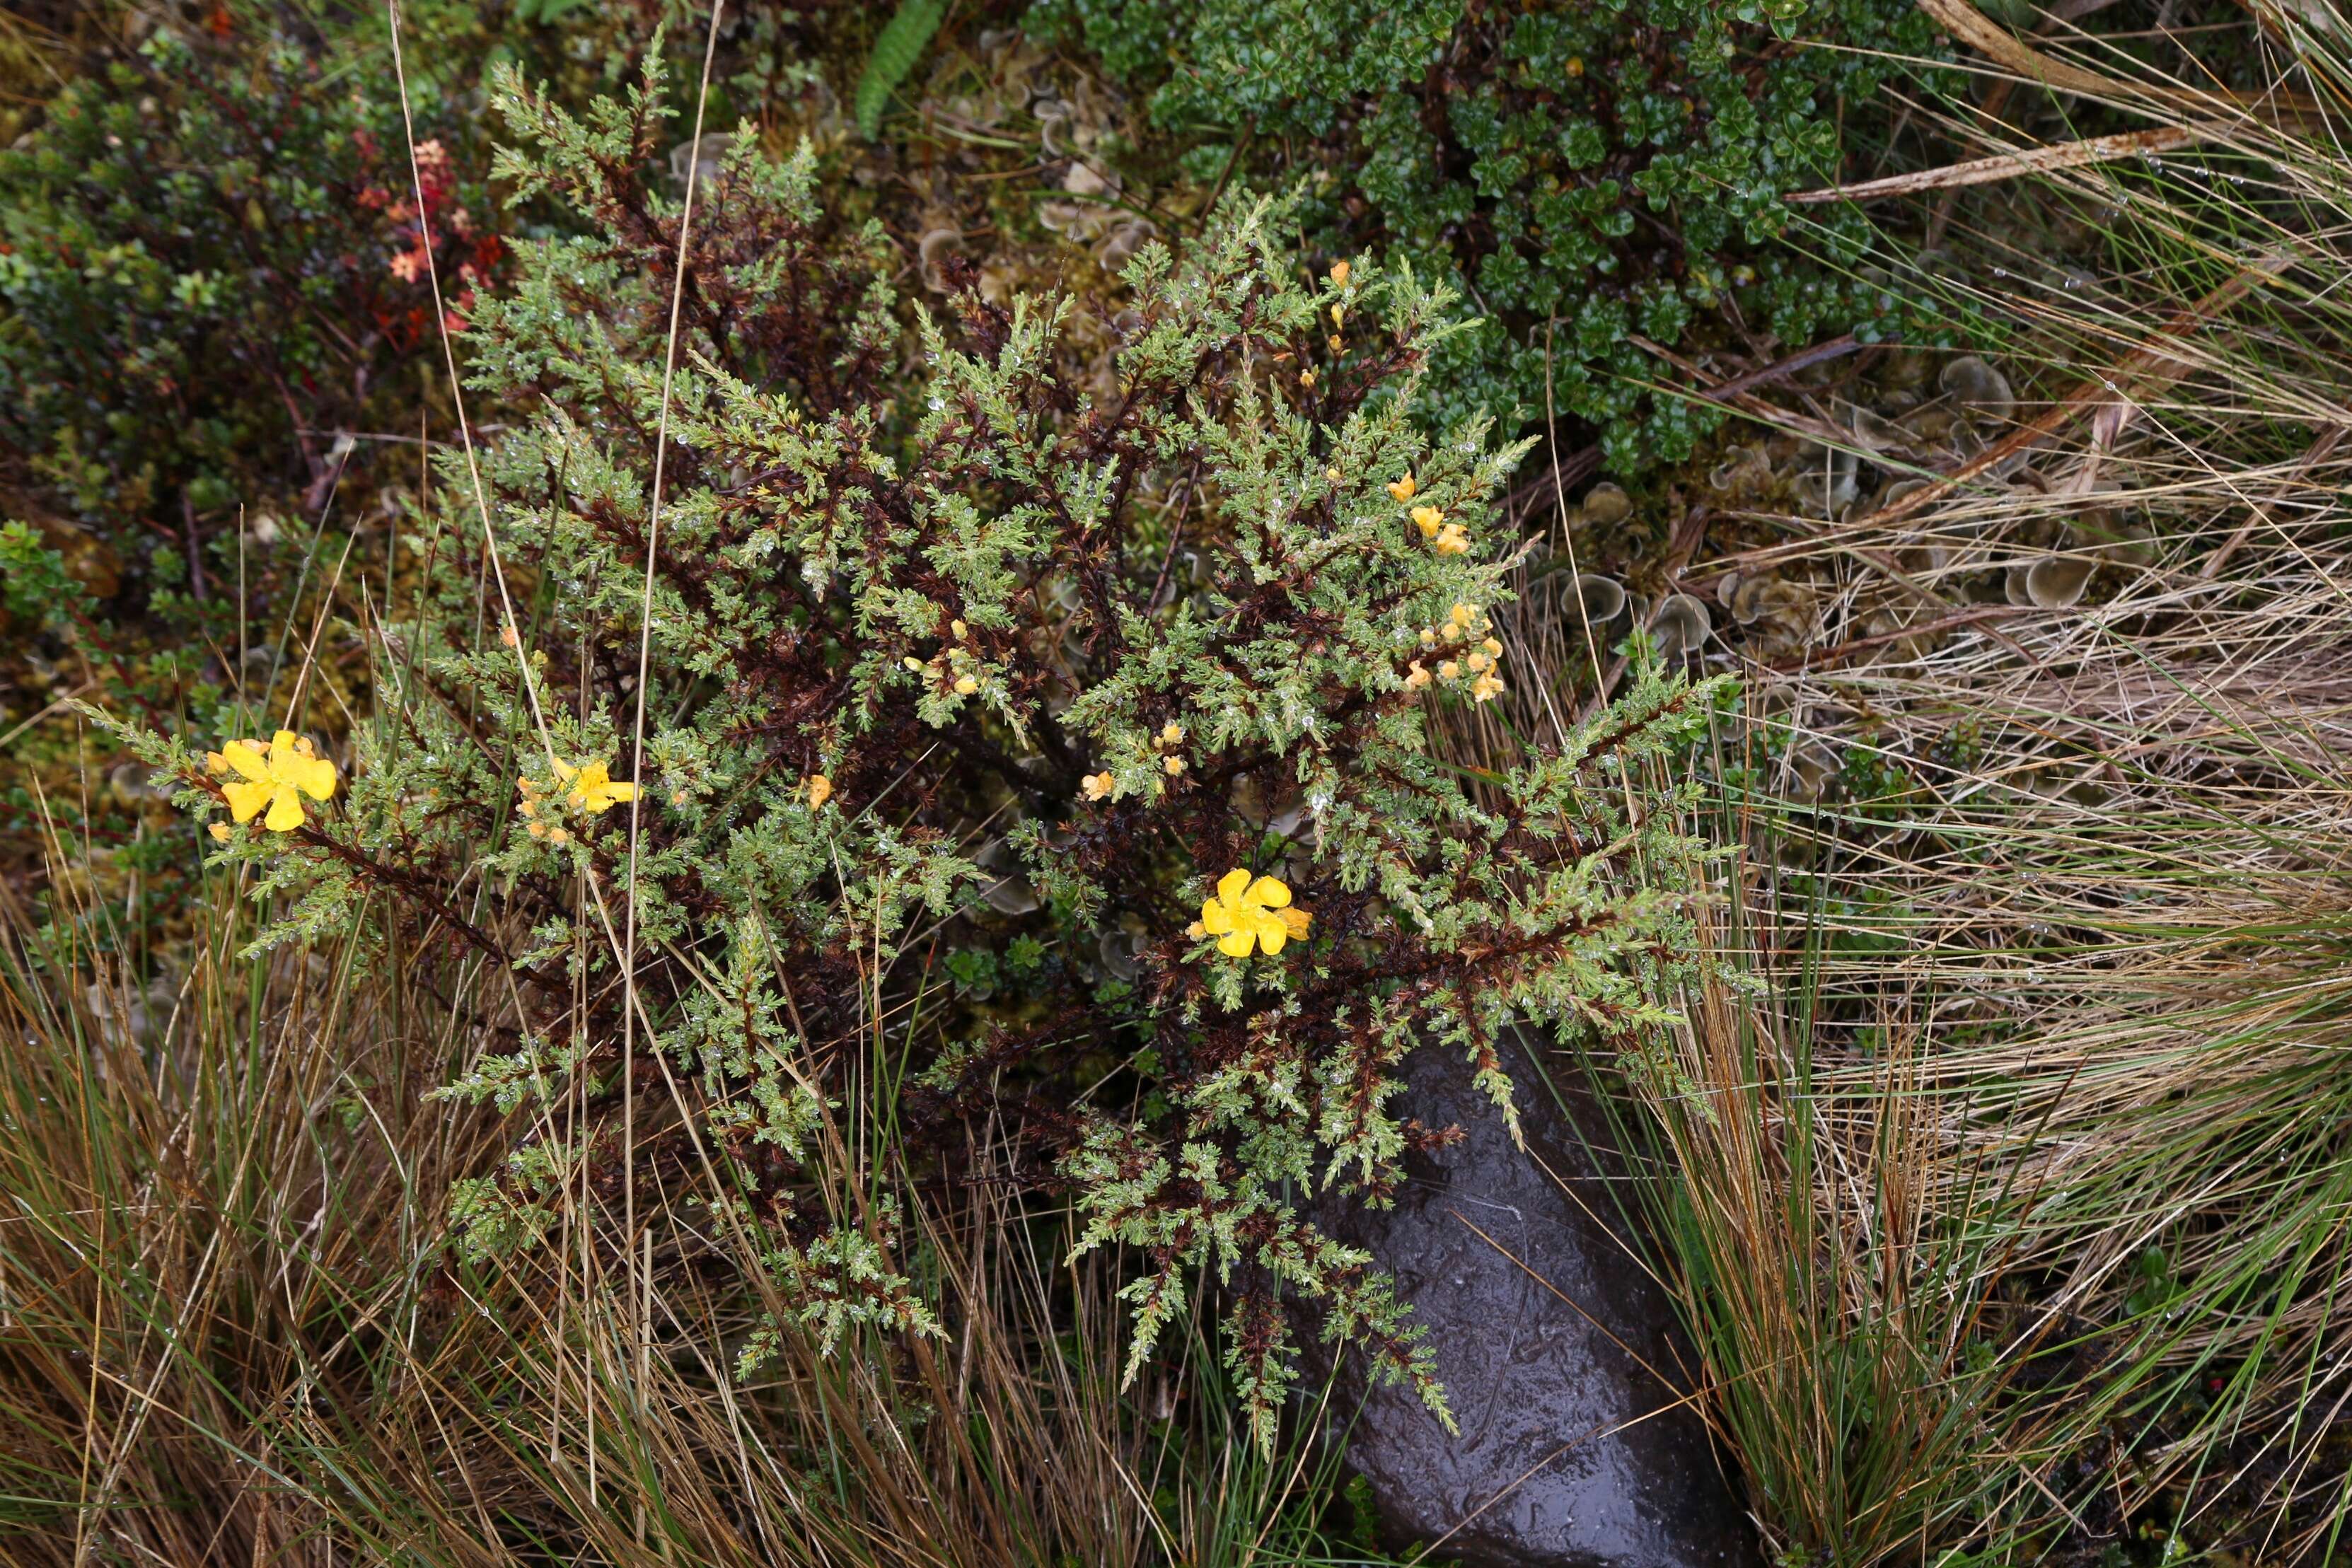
[(2008, 165), (1732, 395)]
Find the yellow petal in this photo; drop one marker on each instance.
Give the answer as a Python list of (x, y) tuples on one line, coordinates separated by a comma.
[(314, 776), (285, 743), (1215, 918), (1231, 885), (247, 759), (246, 797), (1297, 922), (618, 793), (285, 811), (1270, 892), (1236, 944), (1272, 931)]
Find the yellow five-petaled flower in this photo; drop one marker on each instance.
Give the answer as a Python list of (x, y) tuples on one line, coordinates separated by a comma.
[(1246, 916), (278, 777), (593, 788)]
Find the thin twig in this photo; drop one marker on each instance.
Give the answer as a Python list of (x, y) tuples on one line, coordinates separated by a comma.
[(2010, 165)]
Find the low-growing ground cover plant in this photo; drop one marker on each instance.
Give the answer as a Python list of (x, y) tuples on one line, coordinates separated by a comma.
[(1006, 749)]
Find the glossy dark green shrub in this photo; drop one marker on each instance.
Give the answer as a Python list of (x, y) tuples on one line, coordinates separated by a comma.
[(1583, 173)]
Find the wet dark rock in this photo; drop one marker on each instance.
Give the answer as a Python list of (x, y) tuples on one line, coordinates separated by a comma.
[(1566, 1457)]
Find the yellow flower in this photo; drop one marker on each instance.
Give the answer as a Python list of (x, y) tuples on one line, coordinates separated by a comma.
[(1464, 617), (1429, 520), (1492, 647), (1246, 916), (1336, 316), (820, 788), (1171, 734), (1307, 378), (1485, 687), (1402, 489), (965, 685), (1416, 677), (278, 777), (593, 788), (1479, 660), (1453, 540), (1096, 786), (1448, 671), (1340, 270), (1333, 475), (1174, 765), (220, 830)]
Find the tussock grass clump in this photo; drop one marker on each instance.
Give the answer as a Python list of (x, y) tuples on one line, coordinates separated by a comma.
[(2039, 1116)]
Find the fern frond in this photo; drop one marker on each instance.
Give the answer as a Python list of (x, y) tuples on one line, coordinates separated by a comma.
[(895, 52)]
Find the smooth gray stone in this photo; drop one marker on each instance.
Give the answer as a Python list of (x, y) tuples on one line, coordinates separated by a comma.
[(1552, 1441)]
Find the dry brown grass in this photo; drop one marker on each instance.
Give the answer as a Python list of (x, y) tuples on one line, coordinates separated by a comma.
[(232, 1327), (2040, 1110)]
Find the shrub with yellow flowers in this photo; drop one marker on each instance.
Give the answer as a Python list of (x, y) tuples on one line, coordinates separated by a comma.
[(1041, 733)]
